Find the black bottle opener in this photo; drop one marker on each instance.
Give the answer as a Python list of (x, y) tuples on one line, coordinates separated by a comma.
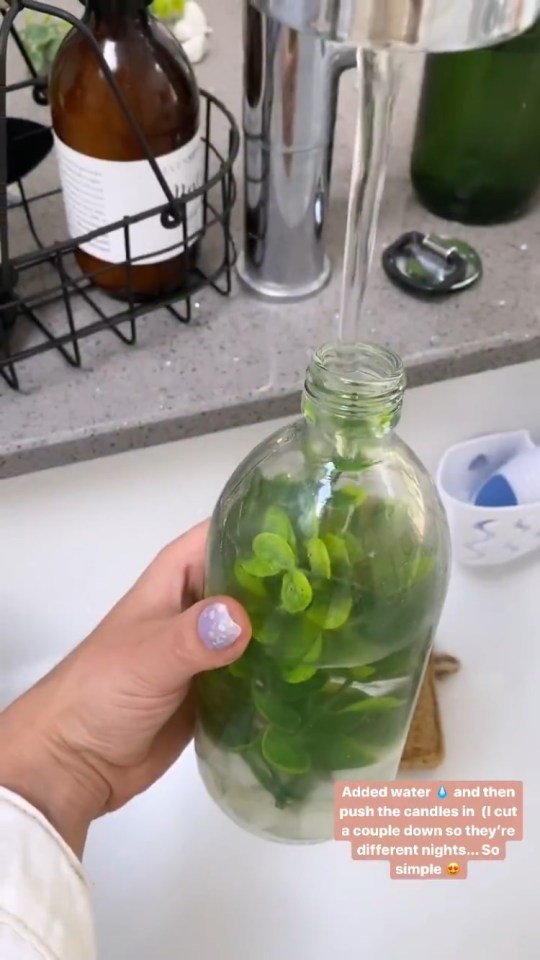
[(427, 265)]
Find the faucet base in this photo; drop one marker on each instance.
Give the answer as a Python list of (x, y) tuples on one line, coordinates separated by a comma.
[(280, 293)]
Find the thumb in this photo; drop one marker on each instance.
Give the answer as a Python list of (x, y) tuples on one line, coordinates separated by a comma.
[(209, 635)]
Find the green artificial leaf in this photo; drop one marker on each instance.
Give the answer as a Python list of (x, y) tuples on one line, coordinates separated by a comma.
[(299, 787), (298, 498), (374, 705), (346, 649), (318, 558), (339, 687), (396, 665), (335, 519), (277, 713), (356, 495), (240, 668), (298, 674), (369, 523), (307, 521), (310, 684), (342, 509), (332, 611), (355, 548), (362, 673), (274, 550), (296, 640), (387, 626), (258, 567), (337, 551), (248, 581), (222, 703), (238, 732), (315, 653), (330, 725), (369, 641), (332, 753), (341, 692), (264, 773), (276, 521), (422, 568), (219, 690), (284, 753), (354, 462), (296, 592), (267, 629), (370, 721), (383, 729)]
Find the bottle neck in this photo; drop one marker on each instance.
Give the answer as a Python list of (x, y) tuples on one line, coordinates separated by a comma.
[(101, 10), (354, 390)]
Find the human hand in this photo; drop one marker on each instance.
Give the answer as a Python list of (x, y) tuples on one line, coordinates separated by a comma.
[(111, 718)]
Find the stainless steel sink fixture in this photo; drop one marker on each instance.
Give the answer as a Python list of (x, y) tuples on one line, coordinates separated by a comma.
[(295, 52)]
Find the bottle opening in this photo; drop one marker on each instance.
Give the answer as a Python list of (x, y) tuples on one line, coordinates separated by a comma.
[(361, 367), (356, 380)]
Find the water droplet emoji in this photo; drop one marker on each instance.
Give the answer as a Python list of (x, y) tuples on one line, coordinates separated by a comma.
[(442, 793)]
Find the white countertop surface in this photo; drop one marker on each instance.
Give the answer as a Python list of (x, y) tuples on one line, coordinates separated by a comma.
[(172, 878)]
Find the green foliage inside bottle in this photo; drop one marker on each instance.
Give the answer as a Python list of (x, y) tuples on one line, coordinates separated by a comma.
[(328, 623), (336, 545), (476, 154)]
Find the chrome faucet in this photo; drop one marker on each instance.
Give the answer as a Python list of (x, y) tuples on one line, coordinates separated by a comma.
[(291, 83), (295, 53)]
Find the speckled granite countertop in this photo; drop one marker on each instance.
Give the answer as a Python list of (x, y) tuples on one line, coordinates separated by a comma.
[(243, 361)]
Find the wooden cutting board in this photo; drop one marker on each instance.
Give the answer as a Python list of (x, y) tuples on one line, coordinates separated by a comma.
[(425, 747)]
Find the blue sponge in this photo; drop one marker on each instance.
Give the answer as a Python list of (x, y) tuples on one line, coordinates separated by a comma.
[(497, 492), (515, 483)]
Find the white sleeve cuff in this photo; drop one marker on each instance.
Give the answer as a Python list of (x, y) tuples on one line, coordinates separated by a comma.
[(44, 897)]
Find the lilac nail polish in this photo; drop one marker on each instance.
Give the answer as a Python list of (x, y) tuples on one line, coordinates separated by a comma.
[(217, 629)]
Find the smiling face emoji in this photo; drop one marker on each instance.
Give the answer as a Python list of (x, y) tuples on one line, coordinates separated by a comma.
[(453, 869)]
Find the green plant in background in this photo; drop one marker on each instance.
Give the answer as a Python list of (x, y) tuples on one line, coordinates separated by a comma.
[(341, 603), (42, 35), (168, 10)]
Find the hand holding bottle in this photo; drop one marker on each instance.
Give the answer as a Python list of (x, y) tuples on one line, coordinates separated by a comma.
[(111, 718)]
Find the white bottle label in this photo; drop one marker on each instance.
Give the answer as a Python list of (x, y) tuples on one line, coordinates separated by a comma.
[(101, 192)]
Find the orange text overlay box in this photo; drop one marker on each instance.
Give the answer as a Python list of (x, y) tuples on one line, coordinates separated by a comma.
[(429, 830)]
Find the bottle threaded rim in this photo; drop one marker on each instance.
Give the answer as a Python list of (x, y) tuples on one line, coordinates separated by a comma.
[(359, 379)]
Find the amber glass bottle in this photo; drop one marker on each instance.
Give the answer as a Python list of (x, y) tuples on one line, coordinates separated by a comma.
[(104, 173)]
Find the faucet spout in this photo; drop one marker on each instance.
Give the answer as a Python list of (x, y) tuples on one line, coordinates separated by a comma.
[(427, 25), (295, 52), (291, 84)]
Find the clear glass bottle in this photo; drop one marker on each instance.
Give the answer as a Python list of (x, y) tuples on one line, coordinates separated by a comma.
[(332, 535)]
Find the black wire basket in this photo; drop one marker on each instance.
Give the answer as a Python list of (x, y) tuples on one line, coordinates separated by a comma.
[(46, 302)]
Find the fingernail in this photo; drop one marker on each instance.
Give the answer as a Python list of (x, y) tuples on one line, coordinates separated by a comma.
[(217, 628)]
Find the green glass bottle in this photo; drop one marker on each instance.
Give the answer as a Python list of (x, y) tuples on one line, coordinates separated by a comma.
[(476, 153)]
